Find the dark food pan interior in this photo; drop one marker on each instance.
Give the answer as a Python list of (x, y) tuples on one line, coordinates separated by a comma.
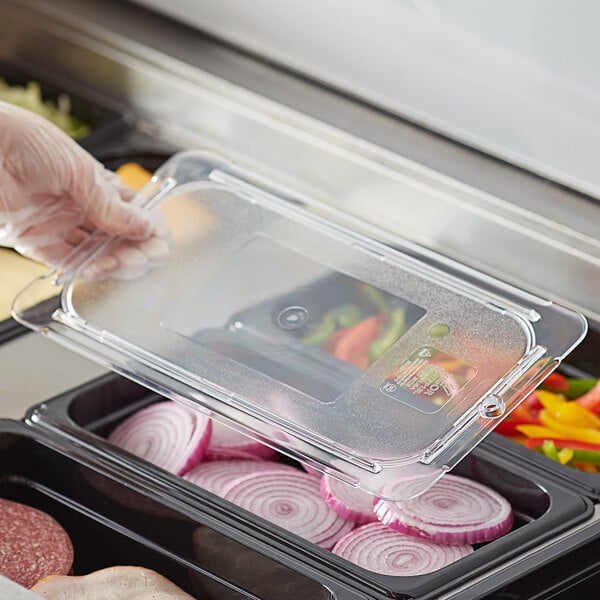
[(541, 508), (112, 524)]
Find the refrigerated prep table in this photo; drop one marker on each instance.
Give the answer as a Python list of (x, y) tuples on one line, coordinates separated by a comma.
[(178, 88)]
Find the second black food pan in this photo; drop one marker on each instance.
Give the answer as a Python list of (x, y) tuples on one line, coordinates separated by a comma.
[(543, 509), (113, 519), (583, 363), (104, 118)]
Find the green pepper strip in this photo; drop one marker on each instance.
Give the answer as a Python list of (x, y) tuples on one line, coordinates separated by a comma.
[(549, 450), (588, 456), (376, 298), (393, 332), (578, 387), (323, 331), (346, 315)]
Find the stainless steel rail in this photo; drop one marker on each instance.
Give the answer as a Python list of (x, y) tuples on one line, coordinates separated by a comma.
[(192, 91)]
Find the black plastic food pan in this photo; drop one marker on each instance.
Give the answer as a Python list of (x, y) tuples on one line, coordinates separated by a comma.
[(10, 329), (542, 508), (104, 116), (113, 519)]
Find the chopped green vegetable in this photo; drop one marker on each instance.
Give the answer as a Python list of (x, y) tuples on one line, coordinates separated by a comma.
[(323, 331), (375, 297), (578, 387), (59, 112), (394, 330), (549, 450), (343, 316)]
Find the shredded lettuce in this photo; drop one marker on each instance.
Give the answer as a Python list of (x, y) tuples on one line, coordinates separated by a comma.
[(59, 112)]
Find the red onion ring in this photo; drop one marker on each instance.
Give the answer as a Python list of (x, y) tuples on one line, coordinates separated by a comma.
[(454, 511), (379, 549), (214, 476), (226, 443), (291, 500), (165, 434), (347, 501)]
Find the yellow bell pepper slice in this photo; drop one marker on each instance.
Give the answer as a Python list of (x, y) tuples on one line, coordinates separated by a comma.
[(538, 431), (567, 412), (583, 434), (565, 455)]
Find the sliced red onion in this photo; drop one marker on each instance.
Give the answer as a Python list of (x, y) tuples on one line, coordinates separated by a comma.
[(454, 511), (377, 548), (214, 476), (226, 443), (291, 500), (166, 434), (347, 501)]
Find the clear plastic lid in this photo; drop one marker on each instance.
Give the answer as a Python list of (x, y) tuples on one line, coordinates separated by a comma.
[(357, 358)]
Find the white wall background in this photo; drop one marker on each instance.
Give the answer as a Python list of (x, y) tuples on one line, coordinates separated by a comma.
[(519, 78)]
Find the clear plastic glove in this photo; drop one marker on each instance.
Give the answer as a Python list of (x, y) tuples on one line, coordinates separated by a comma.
[(54, 195)]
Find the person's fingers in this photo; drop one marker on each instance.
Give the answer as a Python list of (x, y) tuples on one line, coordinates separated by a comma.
[(50, 255), (98, 193), (78, 236), (129, 259), (50, 226), (126, 192), (100, 268), (156, 249), (121, 260), (110, 214)]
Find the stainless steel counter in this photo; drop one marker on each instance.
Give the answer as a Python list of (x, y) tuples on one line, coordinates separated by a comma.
[(191, 90)]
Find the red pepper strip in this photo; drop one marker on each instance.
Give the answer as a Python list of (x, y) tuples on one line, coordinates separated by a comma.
[(508, 426), (331, 343), (556, 382), (591, 400), (573, 444), (353, 346), (528, 411)]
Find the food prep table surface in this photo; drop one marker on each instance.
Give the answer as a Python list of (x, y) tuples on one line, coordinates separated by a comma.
[(33, 368)]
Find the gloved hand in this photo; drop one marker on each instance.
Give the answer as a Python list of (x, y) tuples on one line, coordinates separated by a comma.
[(54, 195)]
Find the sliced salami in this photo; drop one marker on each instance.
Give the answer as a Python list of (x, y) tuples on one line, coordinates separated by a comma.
[(33, 544)]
